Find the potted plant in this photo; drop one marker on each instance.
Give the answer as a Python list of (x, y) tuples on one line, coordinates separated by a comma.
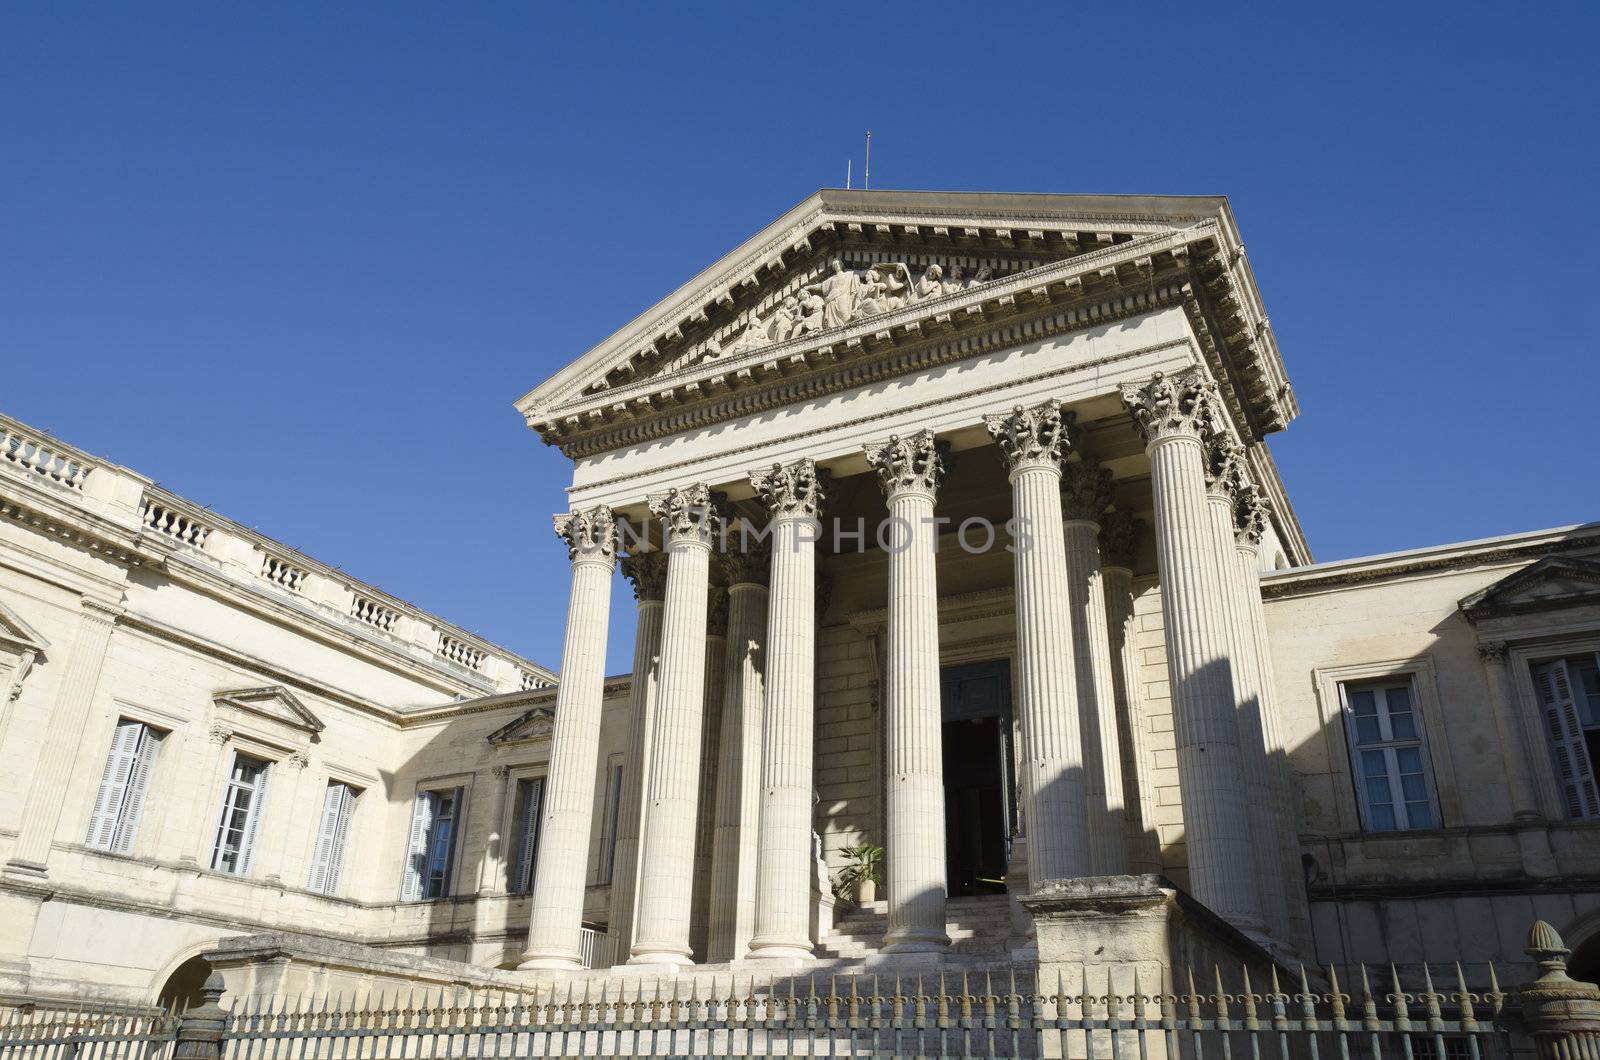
[(863, 870)]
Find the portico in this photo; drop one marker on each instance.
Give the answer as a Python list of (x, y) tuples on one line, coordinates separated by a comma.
[(1003, 463)]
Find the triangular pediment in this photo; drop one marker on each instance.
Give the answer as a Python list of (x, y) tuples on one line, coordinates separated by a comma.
[(844, 268), (1551, 583), (530, 726), (17, 634), (273, 702)]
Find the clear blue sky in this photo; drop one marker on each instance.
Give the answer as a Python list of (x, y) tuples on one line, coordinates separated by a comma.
[(295, 261)]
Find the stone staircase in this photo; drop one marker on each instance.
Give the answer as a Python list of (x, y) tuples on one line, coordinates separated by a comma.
[(979, 927)]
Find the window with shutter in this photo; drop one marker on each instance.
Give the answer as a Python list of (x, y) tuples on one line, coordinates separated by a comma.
[(1388, 757), (417, 847), (1570, 712), (327, 858), (119, 801), (431, 845), (242, 806), (612, 811), (530, 808)]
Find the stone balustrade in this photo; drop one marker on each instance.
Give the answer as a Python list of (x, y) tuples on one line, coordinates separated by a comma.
[(36, 455)]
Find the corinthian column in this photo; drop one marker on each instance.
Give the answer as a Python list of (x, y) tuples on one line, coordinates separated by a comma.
[(1085, 495), (710, 731), (648, 573), (1033, 442), (1119, 541), (556, 915), (910, 470), (793, 494), (1225, 478), (1174, 417), (733, 850), (666, 858)]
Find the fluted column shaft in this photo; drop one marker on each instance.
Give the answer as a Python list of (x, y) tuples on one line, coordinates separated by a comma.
[(1262, 805), (1172, 414), (738, 811), (793, 493), (1143, 846), (1033, 443), (910, 471), (666, 856), (710, 733), (648, 573), (1108, 846), (556, 915)]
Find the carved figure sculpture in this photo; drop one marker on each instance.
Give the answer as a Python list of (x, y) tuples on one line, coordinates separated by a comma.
[(841, 294), (884, 288), (754, 337), (784, 319), (931, 285)]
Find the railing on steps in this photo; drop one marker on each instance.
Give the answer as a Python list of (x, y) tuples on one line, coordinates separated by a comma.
[(1076, 1013)]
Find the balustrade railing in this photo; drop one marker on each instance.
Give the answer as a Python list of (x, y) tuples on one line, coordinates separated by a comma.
[(460, 652), (283, 573), (35, 455), (374, 614), (173, 523)]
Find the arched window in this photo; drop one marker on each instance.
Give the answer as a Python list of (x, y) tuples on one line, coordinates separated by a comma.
[(182, 988)]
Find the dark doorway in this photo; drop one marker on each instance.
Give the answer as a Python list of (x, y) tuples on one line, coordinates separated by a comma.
[(182, 989), (975, 701)]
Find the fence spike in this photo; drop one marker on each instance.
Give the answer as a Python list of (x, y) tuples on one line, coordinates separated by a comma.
[(1464, 998)]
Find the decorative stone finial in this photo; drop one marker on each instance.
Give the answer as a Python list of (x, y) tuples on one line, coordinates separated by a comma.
[(590, 534), (909, 464), (1172, 406), (1033, 437), (647, 571), (1085, 491), (1562, 1012), (691, 514), (1119, 538), (791, 490)]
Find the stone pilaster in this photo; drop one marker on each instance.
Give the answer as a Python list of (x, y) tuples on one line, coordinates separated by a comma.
[(710, 734), (556, 914), (1174, 416), (1119, 537), (666, 858), (41, 813), (647, 571), (1514, 752), (910, 470), (1085, 495), (1249, 524), (493, 876), (738, 812), (793, 494), (1034, 442), (1226, 478)]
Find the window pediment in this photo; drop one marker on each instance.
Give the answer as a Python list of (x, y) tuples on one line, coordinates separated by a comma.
[(1552, 583), (16, 635), (272, 702), (529, 727)]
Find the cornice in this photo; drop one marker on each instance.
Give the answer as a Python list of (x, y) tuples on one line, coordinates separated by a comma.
[(24, 503), (1303, 581)]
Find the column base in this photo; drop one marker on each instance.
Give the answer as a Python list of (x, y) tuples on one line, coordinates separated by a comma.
[(27, 870), (779, 951), (556, 962), (667, 958)]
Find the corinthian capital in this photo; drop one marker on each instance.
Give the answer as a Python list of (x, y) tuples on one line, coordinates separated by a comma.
[(910, 464), (691, 514), (590, 534), (1225, 467), (1119, 539), (648, 573), (747, 560), (1172, 406), (1034, 437), (1085, 491), (1249, 514), (790, 490)]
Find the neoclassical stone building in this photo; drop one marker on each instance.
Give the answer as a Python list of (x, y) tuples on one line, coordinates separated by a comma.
[(952, 528)]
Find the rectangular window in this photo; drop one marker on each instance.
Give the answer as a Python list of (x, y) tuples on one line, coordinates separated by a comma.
[(327, 859), (242, 806), (118, 804), (530, 808), (431, 847), (1569, 706), (1388, 757)]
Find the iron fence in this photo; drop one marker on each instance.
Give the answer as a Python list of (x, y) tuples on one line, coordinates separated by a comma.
[(1081, 1015)]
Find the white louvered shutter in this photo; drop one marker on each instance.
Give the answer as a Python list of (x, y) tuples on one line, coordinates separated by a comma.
[(341, 833), (258, 806), (458, 821), (323, 857), (1564, 729), (114, 785), (417, 847), (144, 760), (528, 835)]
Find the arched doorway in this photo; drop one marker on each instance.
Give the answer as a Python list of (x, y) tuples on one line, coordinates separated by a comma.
[(1585, 960), (182, 988)]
